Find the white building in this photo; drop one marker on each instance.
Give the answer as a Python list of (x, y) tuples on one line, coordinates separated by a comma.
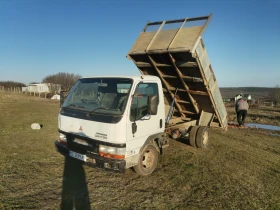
[(38, 88), (42, 88), (24, 89), (247, 96), (244, 96)]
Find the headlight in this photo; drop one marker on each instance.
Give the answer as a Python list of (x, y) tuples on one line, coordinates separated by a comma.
[(62, 138), (111, 152)]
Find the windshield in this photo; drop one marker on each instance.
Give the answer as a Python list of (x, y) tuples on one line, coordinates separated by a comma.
[(99, 95)]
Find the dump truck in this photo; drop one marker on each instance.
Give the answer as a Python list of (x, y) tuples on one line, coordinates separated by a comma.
[(119, 122)]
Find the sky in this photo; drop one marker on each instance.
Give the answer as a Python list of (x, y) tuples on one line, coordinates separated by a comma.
[(92, 37)]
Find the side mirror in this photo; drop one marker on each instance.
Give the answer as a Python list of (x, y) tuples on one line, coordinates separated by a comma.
[(153, 104)]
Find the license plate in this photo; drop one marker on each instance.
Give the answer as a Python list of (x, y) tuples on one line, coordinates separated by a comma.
[(78, 156)]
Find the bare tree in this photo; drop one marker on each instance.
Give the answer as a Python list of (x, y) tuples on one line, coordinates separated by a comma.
[(66, 80), (9, 84), (275, 94)]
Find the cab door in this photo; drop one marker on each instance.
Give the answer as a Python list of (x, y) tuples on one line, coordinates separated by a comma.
[(141, 124)]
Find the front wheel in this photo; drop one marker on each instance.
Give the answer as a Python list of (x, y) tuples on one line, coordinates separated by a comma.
[(147, 161)]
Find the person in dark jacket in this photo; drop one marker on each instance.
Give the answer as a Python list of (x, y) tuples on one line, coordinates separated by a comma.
[(241, 109)]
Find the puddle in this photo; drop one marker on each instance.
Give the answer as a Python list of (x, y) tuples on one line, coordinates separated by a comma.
[(267, 127), (274, 134)]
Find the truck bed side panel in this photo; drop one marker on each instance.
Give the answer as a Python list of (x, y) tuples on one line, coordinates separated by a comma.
[(210, 82)]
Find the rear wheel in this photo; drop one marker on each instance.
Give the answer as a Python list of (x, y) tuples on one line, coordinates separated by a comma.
[(202, 137), (147, 161), (192, 135)]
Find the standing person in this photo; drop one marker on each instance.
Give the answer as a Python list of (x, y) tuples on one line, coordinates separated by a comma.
[(241, 109)]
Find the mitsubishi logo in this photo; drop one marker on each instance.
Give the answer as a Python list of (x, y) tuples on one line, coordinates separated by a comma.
[(81, 128)]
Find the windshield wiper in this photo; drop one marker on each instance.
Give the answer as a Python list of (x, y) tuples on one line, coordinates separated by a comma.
[(100, 107), (74, 105), (94, 101)]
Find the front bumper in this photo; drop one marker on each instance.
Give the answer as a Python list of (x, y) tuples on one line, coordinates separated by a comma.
[(95, 160)]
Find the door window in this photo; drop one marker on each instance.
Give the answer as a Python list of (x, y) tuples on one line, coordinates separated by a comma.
[(139, 105)]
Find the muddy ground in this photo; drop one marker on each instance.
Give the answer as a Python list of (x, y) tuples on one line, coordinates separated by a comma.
[(239, 170)]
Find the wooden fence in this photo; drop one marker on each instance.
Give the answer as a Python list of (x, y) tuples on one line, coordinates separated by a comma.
[(19, 90)]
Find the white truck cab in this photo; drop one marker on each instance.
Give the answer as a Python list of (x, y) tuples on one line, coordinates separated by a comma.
[(114, 122)]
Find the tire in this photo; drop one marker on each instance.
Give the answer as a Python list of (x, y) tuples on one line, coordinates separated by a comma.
[(192, 136), (202, 137), (147, 161)]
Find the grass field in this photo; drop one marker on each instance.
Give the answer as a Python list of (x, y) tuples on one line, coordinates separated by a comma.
[(239, 170)]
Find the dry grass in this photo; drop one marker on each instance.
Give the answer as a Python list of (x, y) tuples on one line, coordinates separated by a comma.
[(239, 170)]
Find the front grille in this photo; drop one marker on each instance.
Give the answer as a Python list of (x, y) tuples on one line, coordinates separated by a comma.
[(78, 145)]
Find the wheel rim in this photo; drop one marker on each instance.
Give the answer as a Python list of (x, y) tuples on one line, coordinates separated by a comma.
[(205, 138), (148, 159)]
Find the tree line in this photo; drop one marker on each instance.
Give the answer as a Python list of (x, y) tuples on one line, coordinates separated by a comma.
[(11, 84), (66, 80)]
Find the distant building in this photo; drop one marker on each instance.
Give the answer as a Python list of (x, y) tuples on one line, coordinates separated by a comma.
[(42, 88), (24, 89), (247, 96), (244, 96), (237, 97), (227, 99), (269, 103), (38, 88)]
